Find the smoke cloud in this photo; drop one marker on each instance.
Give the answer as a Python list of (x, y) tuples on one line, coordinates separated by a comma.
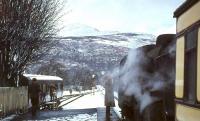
[(135, 81)]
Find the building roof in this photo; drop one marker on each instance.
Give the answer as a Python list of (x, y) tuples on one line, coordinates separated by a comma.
[(43, 77), (184, 7)]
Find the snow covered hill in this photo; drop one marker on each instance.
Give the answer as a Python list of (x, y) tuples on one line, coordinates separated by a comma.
[(97, 51)]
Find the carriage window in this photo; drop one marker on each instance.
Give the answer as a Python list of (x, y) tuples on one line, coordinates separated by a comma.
[(190, 67), (198, 67), (191, 40), (180, 45)]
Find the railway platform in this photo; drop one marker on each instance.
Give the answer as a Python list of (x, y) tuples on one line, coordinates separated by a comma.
[(57, 115), (94, 114)]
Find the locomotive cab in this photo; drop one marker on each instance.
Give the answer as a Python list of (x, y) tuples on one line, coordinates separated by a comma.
[(165, 66), (162, 109)]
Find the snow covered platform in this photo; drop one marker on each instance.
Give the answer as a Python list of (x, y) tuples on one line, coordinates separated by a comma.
[(102, 117), (94, 114), (88, 107), (61, 115)]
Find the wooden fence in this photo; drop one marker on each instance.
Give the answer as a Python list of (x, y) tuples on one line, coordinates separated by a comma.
[(13, 99)]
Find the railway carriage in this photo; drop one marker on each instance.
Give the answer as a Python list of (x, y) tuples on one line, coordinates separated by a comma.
[(187, 84)]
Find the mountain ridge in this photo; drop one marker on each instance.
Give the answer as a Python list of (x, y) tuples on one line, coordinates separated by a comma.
[(96, 53)]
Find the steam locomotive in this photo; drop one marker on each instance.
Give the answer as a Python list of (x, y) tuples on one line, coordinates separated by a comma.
[(154, 66), (163, 81)]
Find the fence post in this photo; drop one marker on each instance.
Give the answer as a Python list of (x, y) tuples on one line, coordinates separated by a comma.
[(1, 111)]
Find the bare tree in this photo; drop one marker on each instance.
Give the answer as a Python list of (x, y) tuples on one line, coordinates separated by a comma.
[(54, 68), (84, 77), (27, 31)]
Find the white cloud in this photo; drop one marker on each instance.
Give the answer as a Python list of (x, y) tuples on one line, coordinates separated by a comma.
[(149, 16)]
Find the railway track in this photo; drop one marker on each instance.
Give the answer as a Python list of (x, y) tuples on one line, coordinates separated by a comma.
[(69, 100), (73, 98)]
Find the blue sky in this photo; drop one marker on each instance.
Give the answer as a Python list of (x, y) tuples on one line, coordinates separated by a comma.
[(148, 16)]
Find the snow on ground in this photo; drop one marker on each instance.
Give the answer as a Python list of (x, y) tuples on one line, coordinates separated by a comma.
[(93, 101), (75, 92), (68, 100), (79, 117), (114, 43), (117, 109), (87, 101), (8, 118)]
